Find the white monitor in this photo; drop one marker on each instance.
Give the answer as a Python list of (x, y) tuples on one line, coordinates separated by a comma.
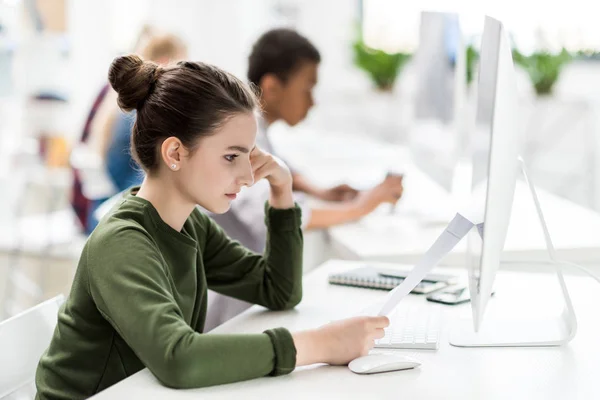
[(495, 148), (434, 139), (496, 165)]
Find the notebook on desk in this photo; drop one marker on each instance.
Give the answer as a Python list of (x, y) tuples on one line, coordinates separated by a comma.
[(387, 279)]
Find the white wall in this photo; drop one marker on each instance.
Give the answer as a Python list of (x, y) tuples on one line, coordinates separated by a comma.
[(222, 32)]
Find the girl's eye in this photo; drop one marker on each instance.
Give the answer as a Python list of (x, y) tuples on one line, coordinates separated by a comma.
[(231, 157)]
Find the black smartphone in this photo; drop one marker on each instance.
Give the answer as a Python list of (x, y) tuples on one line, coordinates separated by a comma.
[(455, 294), (452, 295)]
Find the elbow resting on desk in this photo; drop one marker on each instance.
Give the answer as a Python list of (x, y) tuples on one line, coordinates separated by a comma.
[(292, 302), (280, 303), (174, 371), (171, 377), (175, 375), (177, 370)]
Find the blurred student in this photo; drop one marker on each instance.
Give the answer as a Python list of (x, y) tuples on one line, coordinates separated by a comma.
[(115, 136), (82, 202), (283, 65), (110, 135)]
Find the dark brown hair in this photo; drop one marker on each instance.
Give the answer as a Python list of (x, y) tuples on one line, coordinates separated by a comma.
[(188, 100), (280, 52)]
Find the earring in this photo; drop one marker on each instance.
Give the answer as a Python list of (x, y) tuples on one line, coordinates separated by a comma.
[(173, 166)]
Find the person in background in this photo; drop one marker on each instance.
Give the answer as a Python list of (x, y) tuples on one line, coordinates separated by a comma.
[(81, 204), (283, 65), (112, 129), (138, 298), (116, 138)]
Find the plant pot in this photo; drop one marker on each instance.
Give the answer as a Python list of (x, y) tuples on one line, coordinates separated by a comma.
[(544, 88), (388, 88)]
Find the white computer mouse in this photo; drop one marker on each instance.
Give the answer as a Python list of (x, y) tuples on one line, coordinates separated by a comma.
[(374, 363)]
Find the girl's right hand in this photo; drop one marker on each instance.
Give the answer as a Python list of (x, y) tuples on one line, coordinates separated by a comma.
[(342, 341)]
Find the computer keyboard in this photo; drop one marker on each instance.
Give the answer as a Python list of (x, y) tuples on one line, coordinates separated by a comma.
[(413, 326)]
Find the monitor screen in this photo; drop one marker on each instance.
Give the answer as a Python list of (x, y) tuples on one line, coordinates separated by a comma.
[(495, 149), (439, 61)]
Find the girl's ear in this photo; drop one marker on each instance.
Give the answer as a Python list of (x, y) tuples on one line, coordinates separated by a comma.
[(172, 151)]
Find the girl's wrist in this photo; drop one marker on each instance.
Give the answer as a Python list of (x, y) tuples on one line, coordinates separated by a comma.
[(310, 347), (282, 196)]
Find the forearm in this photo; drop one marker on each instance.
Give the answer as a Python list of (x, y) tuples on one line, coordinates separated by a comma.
[(301, 184), (284, 258), (284, 248), (272, 279), (271, 276), (332, 214), (201, 360), (215, 360)]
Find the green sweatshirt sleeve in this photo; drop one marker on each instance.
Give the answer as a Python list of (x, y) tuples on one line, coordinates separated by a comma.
[(130, 287), (273, 280)]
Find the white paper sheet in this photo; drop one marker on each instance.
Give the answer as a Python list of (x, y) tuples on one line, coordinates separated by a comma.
[(454, 232)]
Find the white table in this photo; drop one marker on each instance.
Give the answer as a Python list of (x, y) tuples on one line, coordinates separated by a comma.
[(404, 236), (328, 158), (568, 372)]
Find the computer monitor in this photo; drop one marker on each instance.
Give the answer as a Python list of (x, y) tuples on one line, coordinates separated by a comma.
[(435, 139), (495, 151), (496, 165)]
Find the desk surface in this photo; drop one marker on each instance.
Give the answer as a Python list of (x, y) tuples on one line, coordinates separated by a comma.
[(404, 237), (567, 372), (426, 207)]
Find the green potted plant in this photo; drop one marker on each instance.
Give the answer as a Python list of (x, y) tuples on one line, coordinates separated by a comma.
[(472, 56), (588, 55), (383, 68), (543, 68)]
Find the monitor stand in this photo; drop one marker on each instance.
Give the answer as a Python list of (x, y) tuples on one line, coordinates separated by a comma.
[(530, 332)]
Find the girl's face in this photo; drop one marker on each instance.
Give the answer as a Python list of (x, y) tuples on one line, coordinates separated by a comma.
[(216, 171)]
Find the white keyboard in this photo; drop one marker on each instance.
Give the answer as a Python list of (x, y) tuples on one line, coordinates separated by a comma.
[(413, 326)]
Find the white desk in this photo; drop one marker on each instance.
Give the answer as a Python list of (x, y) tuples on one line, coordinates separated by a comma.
[(403, 238), (568, 372), (328, 158)]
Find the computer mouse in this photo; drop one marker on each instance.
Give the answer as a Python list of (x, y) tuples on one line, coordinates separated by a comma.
[(375, 363)]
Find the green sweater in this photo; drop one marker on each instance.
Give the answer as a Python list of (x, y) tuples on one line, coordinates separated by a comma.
[(139, 300)]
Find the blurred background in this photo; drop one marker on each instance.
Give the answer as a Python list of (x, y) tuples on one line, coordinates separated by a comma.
[(55, 54)]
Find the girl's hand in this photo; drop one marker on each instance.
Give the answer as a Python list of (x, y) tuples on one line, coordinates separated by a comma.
[(265, 165), (339, 342)]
